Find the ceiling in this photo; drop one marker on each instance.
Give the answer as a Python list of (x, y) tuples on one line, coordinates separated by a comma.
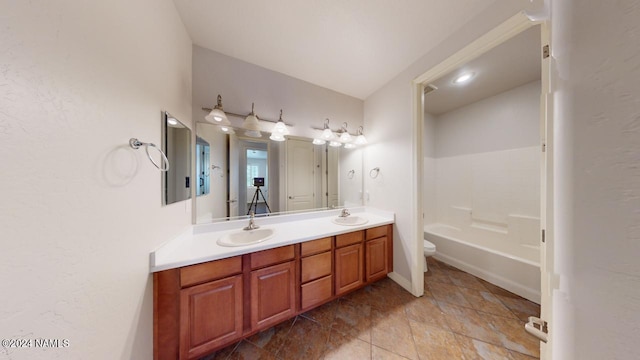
[(350, 46), (509, 65)]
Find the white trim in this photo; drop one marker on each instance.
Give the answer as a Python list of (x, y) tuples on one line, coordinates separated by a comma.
[(547, 194), (402, 281), (417, 267)]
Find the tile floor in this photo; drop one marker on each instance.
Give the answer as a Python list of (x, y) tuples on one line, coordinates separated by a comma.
[(459, 317)]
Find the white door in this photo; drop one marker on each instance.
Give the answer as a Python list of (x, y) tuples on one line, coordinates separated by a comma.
[(333, 159), (234, 175), (547, 248), (543, 328), (300, 175)]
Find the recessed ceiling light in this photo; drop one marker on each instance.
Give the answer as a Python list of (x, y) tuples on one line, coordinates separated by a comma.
[(463, 78), (172, 121)]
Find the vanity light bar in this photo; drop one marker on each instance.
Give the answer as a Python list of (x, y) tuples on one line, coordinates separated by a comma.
[(244, 116)]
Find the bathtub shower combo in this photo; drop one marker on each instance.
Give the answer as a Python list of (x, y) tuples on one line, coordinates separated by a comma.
[(474, 249)]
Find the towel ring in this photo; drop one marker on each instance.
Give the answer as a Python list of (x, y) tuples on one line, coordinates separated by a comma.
[(377, 172), (214, 167), (135, 144), (350, 174)]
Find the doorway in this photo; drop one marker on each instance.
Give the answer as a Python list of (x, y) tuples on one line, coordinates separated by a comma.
[(487, 218), (254, 178)]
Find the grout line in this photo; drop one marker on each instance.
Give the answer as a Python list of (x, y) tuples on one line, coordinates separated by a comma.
[(275, 353), (232, 351), (413, 337)]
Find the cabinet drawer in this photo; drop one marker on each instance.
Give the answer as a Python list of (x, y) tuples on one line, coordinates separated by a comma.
[(271, 256), (376, 232), (316, 266), (316, 292), (348, 239), (212, 270), (315, 246)]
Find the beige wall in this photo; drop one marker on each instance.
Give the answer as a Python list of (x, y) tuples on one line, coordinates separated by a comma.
[(304, 106), (596, 305), (80, 210), (508, 120)]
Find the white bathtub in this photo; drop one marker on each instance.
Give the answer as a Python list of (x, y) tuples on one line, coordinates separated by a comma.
[(516, 274)]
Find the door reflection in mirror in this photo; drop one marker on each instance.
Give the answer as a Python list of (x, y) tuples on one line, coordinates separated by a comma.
[(255, 162), (203, 166)]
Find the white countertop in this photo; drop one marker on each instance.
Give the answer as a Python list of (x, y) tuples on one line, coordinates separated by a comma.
[(199, 243)]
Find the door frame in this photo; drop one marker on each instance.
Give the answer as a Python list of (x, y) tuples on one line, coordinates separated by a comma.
[(505, 31)]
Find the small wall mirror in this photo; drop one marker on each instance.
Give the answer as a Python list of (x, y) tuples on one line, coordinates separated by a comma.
[(176, 143)]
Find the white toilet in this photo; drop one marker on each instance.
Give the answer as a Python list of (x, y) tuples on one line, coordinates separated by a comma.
[(429, 250)]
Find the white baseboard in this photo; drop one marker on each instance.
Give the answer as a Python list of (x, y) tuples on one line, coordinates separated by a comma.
[(528, 293)]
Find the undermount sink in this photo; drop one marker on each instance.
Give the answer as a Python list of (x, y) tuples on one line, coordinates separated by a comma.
[(246, 237), (350, 220)]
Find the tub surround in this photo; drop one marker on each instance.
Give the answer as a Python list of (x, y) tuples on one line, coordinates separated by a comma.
[(198, 244)]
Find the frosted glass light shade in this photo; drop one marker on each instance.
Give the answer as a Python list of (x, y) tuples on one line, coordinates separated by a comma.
[(226, 129), (280, 128), (217, 116), (253, 133), (349, 146), (327, 134), (251, 123), (360, 140), (345, 137), (277, 137), (335, 143), (319, 142)]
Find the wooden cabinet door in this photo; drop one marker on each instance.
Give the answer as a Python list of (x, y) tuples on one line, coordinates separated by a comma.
[(349, 265), (210, 316), (272, 295), (376, 259)]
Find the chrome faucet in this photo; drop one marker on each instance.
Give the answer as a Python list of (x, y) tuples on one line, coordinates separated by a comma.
[(344, 213), (252, 225)]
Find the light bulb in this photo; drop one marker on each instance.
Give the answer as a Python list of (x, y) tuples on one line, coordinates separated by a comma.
[(463, 78)]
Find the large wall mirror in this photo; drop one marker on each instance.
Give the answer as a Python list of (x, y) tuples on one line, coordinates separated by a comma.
[(176, 143), (236, 175)]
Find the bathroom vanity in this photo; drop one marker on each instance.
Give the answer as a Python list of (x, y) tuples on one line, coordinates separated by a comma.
[(202, 307)]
